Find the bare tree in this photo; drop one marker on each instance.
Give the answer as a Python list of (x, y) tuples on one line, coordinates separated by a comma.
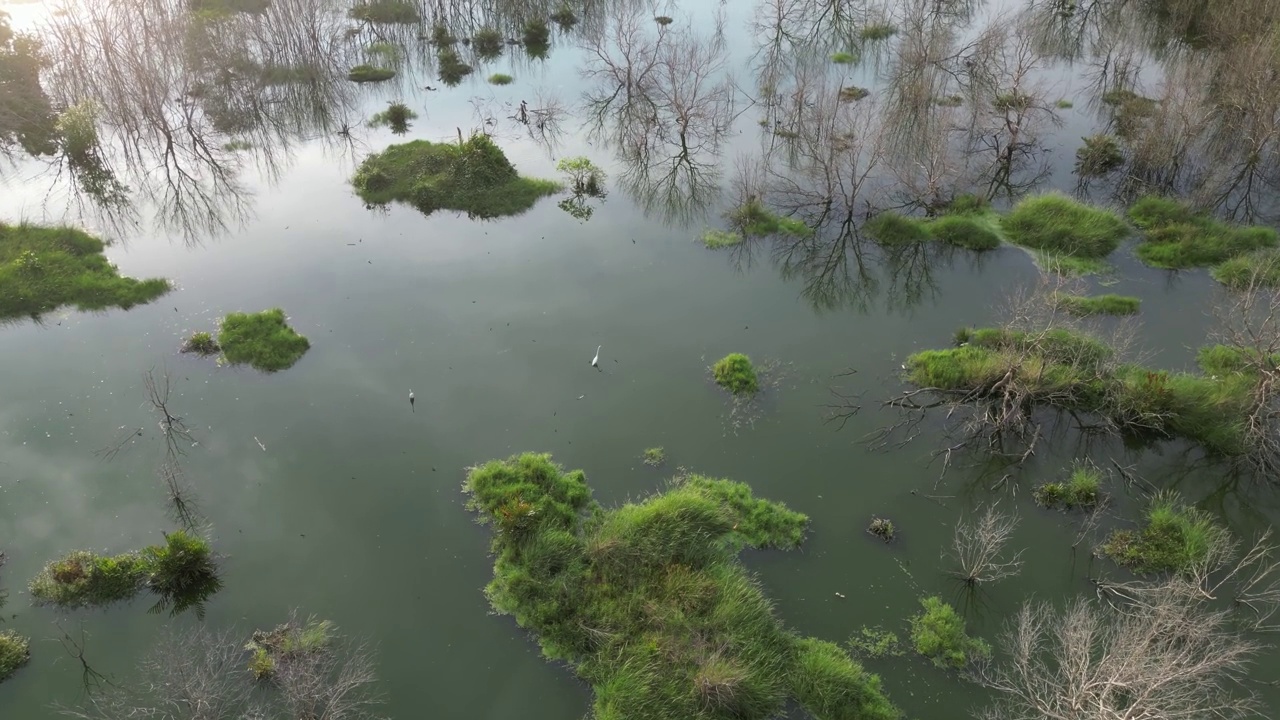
[(979, 547), (1167, 657), (1248, 322)]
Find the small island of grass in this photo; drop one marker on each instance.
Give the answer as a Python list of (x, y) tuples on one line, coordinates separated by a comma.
[(655, 456), (44, 268), (201, 343), (1107, 304), (753, 219), (1174, 539), (972, 230), (735, 373), (501, 79), (474, 177), (15, 651), (1083, 489), (938, 633), (388, 12), (1059, 226), (844, 58), (648, 602), (1177, 236), (262, 340), (369, 74)]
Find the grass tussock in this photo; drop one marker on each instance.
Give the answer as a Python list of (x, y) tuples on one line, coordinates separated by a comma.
[(844, 58), (501, 79), (1174, 538), (261, 340), (972, 231), (474, 177), (1055, 223), (1259, 268), (718, 239), (654, 456), (1176, 236), (370, 74), (45, 268), (386, 12), (15, 651), (1098, 156), (488, 43), (877, 31), (288, 642), (895, 229), (1107, 304), (753, 219), (735, 373), (648, 602), (853, 93), (565, 17), (201, 343), (938, 633), (450, 68), (397, 117), (1081, 489)]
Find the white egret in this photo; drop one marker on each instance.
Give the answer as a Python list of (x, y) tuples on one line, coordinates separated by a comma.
[(411, 401), (595, 361)]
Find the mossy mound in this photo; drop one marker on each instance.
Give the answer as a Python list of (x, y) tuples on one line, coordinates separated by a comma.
[(1107, 304), (735, 373), (44, 268), (182, 573), (370, 73), (1057, 224), (1067, 370), (386, 12), (474, 177), (15, 651), (262, 340), (1173, 539), (1176, 236), (648, 602)]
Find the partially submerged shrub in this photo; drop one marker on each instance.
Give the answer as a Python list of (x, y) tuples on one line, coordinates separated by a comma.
[(286, 643), (735, 373), (1260, 268), (1099, 155), (370, 73), (84, 579), (565, 18), (201, 343), (488, 43), (44, 268), (1107, 304), (182, 572), (1082, 489), (451, 69), (1058, 224), (396, 116), (399, 12), (262, 340), (628, 596), (655, 456), (882, 528), (441, 37), (894, 229), (717, 239), (15, 651), (500, 79), (663, 20), (536, 36), (585, 177), (938, 633), (474, 177), (1175, 538), (753, 219)]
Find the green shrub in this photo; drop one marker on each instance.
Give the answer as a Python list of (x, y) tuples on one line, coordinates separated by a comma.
[(938, 633), (1107, 304), (500, 79), (844, 58), (628, 596), (369, 73), (1099, 155), (877, 31), (386, 12), (15, 651), (183, 573), (967, 231), (717, 239), (1259, 269), (488, 43), (585, 177), (882, 528), (474, 177), (537, 35), (967, 204), (83, 579), (262, 340), (655, 456), (1058, 224), (44, 268), (735, 373), (396, 117), (892, 229), (201, 343), (1174, 539)]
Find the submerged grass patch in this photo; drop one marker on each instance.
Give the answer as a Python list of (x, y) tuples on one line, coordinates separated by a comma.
[(389, 12), (1173, 539), (1055, 223), (1107, 304), (370, 73), (844, 58), (648, 602), (894, 229), (877, 31), (500, 79), (735, 373), (1177, 236), (655, 456), (753, 219), (451, 69), (474, 177), (44, 268), (718, 239), (1259, 268), (262, 340)]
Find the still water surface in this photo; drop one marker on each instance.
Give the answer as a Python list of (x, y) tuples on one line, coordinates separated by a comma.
[(326, 493)]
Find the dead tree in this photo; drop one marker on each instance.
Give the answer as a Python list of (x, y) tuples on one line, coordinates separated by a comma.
[(1248, 322), (979, 547)]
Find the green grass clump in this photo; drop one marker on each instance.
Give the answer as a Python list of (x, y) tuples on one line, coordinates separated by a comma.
[(648, 602), (261, 340), (1260, 268), (844, 58), (1108, 304), (474, 177), (894, 229), (565, 18), (938, 633), (753, 219), (201, 343), (1070, 265), (876, 642), (1177, 236), (882, 528), (663, 20), (1056, 223), (735, 373), (655, 456), (853, 93), (45, 268), (500, 79), (397, 117), (182, 572), (387, 12), (1064, 104), (717, 239), (1099, 155), (877, 31), (441, 37), (1174, 539), (15, 651), (450, 68), (488, 43), (972, 232), (536, 36), (370, 73), (1083, 489), (287, 642)]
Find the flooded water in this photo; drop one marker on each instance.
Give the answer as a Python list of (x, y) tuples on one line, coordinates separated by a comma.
[(325, 491)]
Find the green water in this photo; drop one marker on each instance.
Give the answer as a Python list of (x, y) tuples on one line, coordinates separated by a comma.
[(327, 492)]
